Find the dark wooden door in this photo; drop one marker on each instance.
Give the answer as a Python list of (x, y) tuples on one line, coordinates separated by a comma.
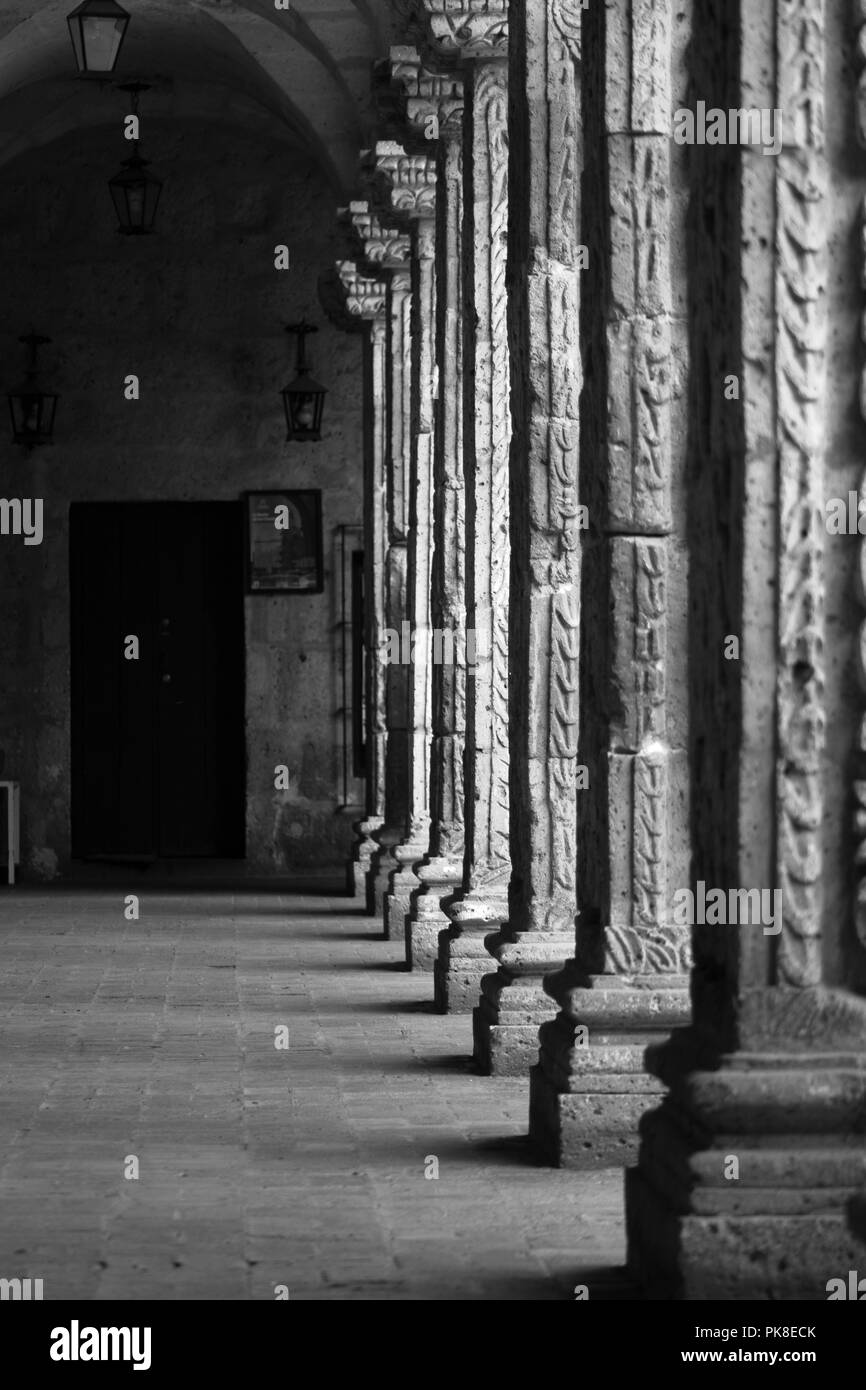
[(158, 742)]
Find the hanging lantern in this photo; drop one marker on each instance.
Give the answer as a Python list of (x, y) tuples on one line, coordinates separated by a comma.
[(32, 409), (134, 190), (135, 194), (303, 398), (97, 29)]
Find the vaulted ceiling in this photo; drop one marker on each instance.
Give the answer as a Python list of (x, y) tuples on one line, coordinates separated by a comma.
[(302, 74)]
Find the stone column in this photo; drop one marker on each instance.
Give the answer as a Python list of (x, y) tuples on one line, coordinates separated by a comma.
[(382, 251), (409, 184), (628, 982), (392, 253), (521, 522), (432, 108), (365, 301), (476, 37), (746, 1167)]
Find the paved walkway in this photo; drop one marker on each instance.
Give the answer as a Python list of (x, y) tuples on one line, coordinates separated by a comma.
[(155, 1041)]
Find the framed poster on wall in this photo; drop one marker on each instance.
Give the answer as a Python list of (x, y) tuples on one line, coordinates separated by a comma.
[(284, 542)]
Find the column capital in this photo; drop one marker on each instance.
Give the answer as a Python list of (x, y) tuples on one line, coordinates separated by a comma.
[(401, 282), (364, 298), (459, 30), (381, 248), (407, 181), (429, 103)]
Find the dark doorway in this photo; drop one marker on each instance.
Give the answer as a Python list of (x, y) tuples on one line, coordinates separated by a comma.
[(158, 768)]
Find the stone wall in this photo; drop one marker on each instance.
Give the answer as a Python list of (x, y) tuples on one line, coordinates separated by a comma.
[(197, 312)]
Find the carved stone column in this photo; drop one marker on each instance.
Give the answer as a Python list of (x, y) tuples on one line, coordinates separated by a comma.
[(409, 183), (628, 982), (518, 554), (476, 37), (432, 108), (382, 251), (365, 300), (389, 252), (746, 1167)]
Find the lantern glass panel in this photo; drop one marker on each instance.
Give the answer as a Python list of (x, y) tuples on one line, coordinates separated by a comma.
[(97, 29), (32, 416), (304, 412), (101, 43), (304, 401), (77, 43)]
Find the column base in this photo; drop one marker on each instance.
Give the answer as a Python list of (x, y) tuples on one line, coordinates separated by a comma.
[(744, 1179), (505, 1026), (596, 1127), (382, 866), (513, 1002), (398, 904), (402, 883), (766, 1258), (362, 859), (439, 878), (590, 1087), (463, 958)]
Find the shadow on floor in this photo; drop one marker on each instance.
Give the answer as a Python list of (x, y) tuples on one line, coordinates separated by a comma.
[(392, 1006), (184, 875)]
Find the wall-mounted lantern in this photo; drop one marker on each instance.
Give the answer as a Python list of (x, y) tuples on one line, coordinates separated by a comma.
[(134, 190), (31, 408), (303, 398), (97, 29)]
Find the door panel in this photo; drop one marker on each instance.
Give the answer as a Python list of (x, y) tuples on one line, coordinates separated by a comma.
[(157, 744)]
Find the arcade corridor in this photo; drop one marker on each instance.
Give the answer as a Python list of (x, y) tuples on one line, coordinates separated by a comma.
[(436, 469)]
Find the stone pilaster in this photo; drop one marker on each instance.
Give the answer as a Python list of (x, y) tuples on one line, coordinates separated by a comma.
[(432, 108), (408, 183), (521, 520), (476, 37), (365, 299), (747, 1166), (398, 353), (384, 252), (627, 984)]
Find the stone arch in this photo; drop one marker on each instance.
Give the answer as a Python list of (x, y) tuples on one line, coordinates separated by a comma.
[(304, 69)]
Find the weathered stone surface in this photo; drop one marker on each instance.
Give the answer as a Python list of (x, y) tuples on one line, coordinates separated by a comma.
[(772, 1074), (631, 804), (398, 381), (408, 183), (506, 1021), (441, 873), (797, 1137), (466, 29), (486, 565), (589, 1129), (365, 300), (774, 1257), (544, 602), (380, 247), (462, 962)]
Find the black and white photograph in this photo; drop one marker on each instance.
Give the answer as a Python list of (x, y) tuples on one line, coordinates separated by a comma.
[(432, 670)]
